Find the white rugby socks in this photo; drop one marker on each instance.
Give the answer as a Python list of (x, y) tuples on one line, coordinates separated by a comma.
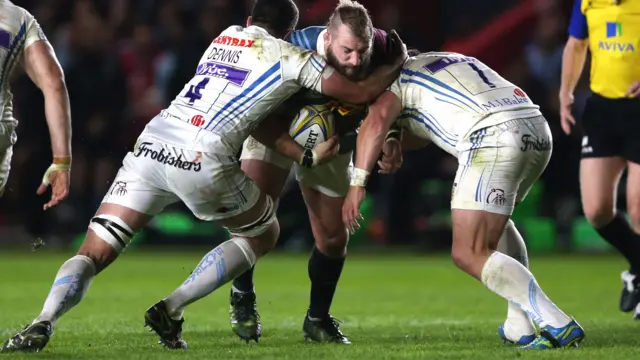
[(509, 279), (518, 323), (219, 266), (71, 283)]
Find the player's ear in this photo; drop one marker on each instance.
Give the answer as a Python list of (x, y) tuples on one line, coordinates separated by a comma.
[(249, 21), (326, 36)]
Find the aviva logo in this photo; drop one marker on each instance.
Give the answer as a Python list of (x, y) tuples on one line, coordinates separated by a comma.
[(614, 30)]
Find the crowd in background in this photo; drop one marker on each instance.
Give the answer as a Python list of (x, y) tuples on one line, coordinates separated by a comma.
[(124, 60)]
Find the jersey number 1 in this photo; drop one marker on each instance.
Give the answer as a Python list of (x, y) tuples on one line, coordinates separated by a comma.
[(482, 75), (193, 93)]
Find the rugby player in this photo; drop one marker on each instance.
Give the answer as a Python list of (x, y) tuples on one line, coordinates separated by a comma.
[(352, 46), (503, 144), (187, 153), (21, 38), (610, 124)]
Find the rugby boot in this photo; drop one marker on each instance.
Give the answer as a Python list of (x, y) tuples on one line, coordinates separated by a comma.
[(244, 317), (326, 330), (33, 338), (636, 316), (524, 340), (170, 331), (630, 292), (550, 338)]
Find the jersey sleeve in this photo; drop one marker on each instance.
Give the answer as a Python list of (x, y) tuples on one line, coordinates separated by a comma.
[(396, 89), (33, 31), (578, 22), (306, 38), (302, 66)]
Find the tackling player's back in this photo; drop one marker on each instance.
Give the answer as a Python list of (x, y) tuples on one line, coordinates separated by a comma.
[(244, 74), (450, 95)]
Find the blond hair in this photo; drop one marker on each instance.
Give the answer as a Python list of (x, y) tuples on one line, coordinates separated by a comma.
[(355, 16)]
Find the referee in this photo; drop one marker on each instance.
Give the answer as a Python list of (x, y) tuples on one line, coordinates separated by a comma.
[(610, 29)]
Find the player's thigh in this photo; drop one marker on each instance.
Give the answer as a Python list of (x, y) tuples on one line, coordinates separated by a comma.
[(325, 216), (220, 191), (131, 201), (5, 167), (601, 138), (330, 179), (500, 164)]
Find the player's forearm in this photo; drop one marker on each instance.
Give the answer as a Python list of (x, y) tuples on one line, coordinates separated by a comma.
[(573, 59), (58, 113), (288, 147), (369, 143), (379, 80)]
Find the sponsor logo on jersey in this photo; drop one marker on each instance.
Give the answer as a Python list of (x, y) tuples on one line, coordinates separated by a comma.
[(232, 41), (614, 30), (442, 63), (230, 73), (5, 39), (532, 143), (197, 120), (164, 157), (519, 97), (224, 55)]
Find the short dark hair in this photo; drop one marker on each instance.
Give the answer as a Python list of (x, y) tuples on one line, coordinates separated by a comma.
[(276, 16), (355, 16)]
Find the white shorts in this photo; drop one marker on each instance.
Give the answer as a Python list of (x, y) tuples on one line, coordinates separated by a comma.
[(499, 164), (330, 179), (155, 175), (7, 139)]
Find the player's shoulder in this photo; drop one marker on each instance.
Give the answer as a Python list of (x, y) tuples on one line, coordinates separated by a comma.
[(307, 38), (13, 15)]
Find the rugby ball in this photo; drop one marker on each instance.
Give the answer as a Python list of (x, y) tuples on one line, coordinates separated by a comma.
[(312, 125)]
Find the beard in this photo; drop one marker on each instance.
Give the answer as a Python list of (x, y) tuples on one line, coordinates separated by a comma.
[(353, 73)]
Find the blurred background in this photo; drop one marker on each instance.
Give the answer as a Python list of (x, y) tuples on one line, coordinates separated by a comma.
[(125, 60)]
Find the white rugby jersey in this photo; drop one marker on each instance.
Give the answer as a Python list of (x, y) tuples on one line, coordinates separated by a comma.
[(446, 96), (18, 30), (244, 74)]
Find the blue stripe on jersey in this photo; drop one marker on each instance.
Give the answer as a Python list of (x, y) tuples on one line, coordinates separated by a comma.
[(450, 103), (316, 64), (306, 38), (258, 82), (429, 126), (410, 81), (11, 57), (435, 123), (439, 83), (255, 97)]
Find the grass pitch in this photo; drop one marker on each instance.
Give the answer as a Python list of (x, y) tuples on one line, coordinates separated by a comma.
[(392, 307)]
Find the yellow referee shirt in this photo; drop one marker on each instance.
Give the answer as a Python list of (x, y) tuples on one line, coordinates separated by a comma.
[(613, 29)]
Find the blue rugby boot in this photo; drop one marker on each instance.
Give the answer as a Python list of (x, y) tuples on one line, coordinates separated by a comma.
[(569, 335), (524, 340)]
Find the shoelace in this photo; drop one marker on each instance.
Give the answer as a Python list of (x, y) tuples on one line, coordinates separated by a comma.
[(333, 326), (629, 281)]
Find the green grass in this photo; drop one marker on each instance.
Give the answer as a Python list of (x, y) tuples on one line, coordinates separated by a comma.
[(392, 307)]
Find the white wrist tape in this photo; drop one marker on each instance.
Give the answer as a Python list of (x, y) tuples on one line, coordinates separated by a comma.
[(52, 168), (359, 177)]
